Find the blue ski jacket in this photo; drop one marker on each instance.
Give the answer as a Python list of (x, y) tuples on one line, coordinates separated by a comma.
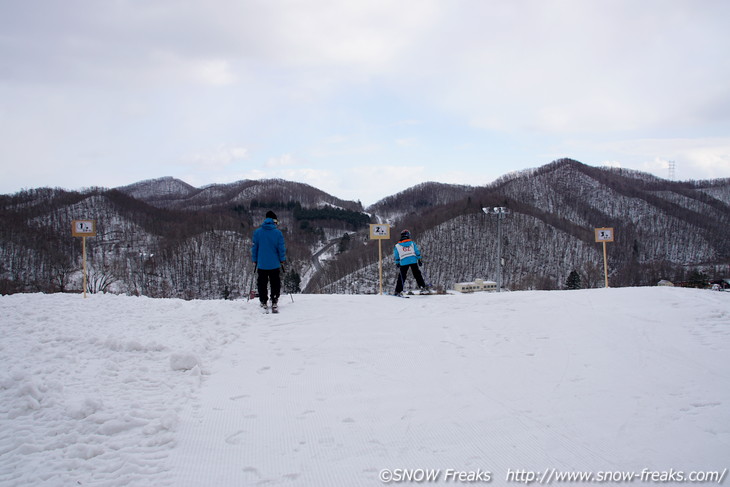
[(406, 252), (268, 250)]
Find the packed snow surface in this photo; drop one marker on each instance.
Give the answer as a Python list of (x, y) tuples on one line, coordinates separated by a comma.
[(358, 390)]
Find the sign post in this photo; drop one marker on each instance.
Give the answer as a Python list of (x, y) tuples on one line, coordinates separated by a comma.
[(380, 232), (604, 235), (83, 229)]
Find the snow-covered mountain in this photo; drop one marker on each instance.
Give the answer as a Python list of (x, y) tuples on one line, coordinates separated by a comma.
[(166, 238), (663, 230), (161, 189), (175, 194)]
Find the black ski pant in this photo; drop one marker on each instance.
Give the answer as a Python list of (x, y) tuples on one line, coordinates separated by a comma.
[(404, 273), (265, 277)]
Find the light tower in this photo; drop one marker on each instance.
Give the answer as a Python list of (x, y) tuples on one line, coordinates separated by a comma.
[(499, 212), (672, 170)]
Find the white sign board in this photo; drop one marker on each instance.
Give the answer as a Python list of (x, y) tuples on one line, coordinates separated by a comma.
[(83, 228), (379, 231), (604, 235)]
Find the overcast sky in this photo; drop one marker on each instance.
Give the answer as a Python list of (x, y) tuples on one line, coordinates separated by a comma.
[(360, 98)]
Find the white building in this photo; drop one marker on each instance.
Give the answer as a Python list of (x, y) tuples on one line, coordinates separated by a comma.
[(477, 285)]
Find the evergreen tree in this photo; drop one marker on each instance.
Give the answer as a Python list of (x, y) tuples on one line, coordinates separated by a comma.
[(698, 279), (573, 281), (344, 244)]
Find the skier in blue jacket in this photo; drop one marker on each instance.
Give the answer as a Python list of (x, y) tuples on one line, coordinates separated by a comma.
[(408, 256), (268, 252)]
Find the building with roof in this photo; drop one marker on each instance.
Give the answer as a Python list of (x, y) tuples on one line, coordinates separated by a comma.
[(475, 286)]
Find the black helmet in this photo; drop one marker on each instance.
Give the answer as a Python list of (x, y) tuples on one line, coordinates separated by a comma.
[(405, 234)]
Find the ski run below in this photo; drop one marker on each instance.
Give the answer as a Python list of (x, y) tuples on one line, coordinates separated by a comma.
[(355, 390)]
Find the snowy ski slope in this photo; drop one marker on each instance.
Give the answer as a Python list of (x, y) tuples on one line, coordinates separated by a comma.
[(360, 390)]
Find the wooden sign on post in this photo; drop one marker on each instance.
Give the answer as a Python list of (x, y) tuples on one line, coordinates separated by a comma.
[(604, 235), (83, 229), (380, 232)]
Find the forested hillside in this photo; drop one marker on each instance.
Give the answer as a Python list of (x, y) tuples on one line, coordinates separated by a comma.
[(165, 238), (664, 229)]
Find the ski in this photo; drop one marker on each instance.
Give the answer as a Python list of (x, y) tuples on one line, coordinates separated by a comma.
[(266, 308), (411, 293)]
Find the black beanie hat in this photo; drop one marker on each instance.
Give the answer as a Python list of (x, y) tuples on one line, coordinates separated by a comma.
[(271, 214)]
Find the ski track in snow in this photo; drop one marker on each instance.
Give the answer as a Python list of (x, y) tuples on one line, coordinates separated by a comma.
[(124, 391)]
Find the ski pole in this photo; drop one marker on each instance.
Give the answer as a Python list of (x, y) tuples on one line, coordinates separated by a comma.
[(288, 291), (283, 280), (425, 277), (400, 278), (250, 288)]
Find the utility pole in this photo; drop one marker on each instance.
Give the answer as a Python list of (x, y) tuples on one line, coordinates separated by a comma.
[(500, 212)]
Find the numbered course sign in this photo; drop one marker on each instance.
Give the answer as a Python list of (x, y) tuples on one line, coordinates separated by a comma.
[(380, 232), (604, 235), (83, 229)]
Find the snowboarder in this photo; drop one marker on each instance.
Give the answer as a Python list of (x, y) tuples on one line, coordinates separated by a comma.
[(268, 252), (408, 256)]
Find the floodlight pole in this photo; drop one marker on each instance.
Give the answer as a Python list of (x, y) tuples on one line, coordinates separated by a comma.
[(500, 212)]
